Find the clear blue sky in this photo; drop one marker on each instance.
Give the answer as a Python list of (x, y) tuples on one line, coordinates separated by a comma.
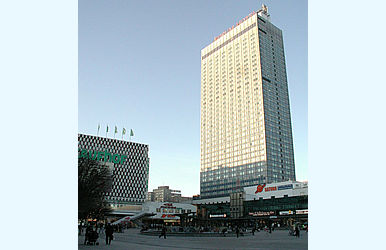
[(139, 68)]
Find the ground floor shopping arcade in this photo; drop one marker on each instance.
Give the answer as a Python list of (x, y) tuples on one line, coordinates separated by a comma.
[(281, 212)]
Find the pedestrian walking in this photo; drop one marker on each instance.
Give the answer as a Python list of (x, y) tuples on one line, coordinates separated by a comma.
[(163, 233), (253, 230), (109, 234), (87, 234), (237, 231), (101, 228), (297, 231)]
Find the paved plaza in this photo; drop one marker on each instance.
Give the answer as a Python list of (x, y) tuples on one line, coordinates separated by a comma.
[(132, 239)]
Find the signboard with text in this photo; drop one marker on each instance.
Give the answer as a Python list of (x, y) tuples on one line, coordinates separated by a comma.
[(105, 156), (277, 190), (262, 213)]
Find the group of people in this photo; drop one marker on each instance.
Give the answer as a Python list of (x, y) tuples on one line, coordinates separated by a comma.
[(294, 230), (92, 235), (238, 230)]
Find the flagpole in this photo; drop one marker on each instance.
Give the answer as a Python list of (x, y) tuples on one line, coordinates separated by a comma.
[(123, 132)]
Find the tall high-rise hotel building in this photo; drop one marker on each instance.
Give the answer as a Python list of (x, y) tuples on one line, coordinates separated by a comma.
[(246, 134)]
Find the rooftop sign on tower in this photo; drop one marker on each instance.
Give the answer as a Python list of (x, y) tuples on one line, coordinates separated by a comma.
[(264, 12)]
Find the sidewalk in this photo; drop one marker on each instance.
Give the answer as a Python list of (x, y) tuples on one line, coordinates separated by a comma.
[(132, 239)]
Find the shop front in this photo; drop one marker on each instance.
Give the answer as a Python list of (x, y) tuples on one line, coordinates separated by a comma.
[(167, 213), (278, 211), (281, 212)]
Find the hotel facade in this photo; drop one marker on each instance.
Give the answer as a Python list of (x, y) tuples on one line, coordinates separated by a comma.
[(246, 133)]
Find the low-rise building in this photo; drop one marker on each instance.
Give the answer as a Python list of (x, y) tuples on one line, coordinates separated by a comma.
[(165, 194), (166, 212)]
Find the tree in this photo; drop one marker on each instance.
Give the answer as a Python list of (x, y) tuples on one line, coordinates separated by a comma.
[(94, 181)]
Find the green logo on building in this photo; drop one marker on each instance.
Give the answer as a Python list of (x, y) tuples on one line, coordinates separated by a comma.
[(102, 156)]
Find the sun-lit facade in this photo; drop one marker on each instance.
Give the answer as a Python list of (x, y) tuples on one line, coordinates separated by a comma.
[(246, 134)]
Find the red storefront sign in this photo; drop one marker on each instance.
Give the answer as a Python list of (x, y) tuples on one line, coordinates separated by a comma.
[(167, 216)]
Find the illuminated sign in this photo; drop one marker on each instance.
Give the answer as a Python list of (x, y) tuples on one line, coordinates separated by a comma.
[(240, 22), (101, 156), (217, 215), (303, 211), (286, 212)]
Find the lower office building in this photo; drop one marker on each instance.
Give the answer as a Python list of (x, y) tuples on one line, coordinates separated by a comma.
[(165, 194), (129, 164)]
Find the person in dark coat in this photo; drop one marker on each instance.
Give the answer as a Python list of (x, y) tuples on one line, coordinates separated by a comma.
[(109, 234), (224, 231), (87, 234), (163, 233), (253, 230), (297, 232), (237, 231)]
